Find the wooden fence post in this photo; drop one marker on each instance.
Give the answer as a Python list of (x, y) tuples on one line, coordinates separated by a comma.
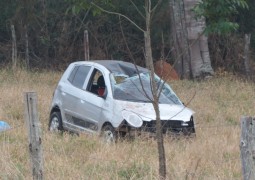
[(27, 49), (34, 132), (14, 48), (86, 45), (247, 41), (247, 147)]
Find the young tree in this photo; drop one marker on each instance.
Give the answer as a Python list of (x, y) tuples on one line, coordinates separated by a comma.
[(155, 91)]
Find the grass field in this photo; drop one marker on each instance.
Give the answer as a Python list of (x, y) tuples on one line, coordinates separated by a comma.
[(213, 154)]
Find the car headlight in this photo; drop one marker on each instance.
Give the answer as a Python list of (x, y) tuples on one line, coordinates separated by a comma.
[(185, 124), (132, 118)]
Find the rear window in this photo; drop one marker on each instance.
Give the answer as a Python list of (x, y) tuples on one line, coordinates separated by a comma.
[(70, 78), (78, 75)]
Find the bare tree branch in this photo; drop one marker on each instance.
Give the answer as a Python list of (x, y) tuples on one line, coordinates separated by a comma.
[(155, 7), (119, 14), (133, 59), (137, 9)]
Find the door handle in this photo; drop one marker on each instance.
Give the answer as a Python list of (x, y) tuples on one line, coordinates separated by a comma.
[(63, 93), (82, 102)]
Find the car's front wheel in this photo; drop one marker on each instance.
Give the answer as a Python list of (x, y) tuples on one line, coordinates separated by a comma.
[(108, 133), (55, 123)]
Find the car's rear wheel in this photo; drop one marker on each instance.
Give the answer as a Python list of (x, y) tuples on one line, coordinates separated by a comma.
[(108, 134), (55, 123)]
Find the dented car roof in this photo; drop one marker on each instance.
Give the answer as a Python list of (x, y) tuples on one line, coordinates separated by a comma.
[(121, 67)]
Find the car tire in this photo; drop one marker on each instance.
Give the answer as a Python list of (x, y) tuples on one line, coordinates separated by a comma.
[(55, 123), (108, 134)]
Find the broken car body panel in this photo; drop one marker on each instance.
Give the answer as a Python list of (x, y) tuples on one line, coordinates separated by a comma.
[(93, 93), (167, 112)]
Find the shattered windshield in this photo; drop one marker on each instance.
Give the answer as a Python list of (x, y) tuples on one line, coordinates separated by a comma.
[(133, 88)]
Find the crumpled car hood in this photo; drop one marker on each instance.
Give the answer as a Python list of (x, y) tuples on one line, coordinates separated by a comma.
[(167, 111)]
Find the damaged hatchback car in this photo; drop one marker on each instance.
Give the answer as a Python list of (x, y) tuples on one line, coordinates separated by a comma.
[(114, 98)]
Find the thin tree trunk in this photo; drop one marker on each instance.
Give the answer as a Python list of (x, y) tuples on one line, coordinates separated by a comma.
[(14, 48), (180, 41), (149, 64), (27, 49), (190, 44), (176, 50), (194, 27), (45, 25), (63, 39), (247, 40), (200, 58), (207, 67)]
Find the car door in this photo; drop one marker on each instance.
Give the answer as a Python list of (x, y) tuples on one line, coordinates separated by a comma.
[(94, 101), (73, 96)]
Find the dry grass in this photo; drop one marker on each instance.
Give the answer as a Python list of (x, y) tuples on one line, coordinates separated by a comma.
[(213, 154)]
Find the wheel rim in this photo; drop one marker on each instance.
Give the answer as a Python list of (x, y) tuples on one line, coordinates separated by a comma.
[(54, 125), (108, 136)]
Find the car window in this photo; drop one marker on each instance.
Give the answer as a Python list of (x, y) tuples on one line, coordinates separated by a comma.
[(79, 75), (70, 78), (97, 84)]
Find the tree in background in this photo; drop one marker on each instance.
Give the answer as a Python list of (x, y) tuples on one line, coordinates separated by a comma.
[(198, 42), (56, 35), (55, 32), (246, 21), (221, 27), (190, 32), (190, 44), (7, 10), (180, 52)]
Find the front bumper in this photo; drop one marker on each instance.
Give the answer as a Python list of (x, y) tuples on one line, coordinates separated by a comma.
[(168, 126)]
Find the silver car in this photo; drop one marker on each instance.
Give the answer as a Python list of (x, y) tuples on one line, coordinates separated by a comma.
[(114, 98)]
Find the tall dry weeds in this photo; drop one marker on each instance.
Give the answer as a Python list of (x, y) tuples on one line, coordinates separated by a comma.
[(212, 154)]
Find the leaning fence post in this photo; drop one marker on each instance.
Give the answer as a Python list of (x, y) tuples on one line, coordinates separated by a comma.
[(34, 133), (247, 147)]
